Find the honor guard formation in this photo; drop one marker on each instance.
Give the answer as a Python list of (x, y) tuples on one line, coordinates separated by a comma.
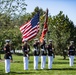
[(36, 53), (40, 50), (8, 55), (71, 53), (25, 49), (43, 54)]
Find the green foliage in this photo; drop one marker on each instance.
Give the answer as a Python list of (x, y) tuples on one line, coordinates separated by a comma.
[(13, 15), (13, 34), (13, 7), (60, 30), (10, 11)]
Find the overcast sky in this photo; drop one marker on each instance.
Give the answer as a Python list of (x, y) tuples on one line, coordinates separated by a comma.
[(55, 6)]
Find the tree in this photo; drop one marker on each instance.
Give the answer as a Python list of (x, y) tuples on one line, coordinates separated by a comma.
[(60, 27), (13, 7), (10, 11)]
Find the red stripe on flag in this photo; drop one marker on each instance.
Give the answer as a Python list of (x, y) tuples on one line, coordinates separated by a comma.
[(30, 29)]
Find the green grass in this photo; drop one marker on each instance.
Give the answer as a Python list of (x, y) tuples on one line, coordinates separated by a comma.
[(60, 67)]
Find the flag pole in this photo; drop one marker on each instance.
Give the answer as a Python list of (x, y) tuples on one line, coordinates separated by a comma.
[(47, 24)]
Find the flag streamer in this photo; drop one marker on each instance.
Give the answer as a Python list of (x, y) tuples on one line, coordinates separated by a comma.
[(45, 28)]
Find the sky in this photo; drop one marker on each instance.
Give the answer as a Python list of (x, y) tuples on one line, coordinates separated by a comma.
[(55, 6)]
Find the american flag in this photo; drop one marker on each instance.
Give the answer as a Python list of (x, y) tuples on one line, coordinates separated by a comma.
[(30, 29)]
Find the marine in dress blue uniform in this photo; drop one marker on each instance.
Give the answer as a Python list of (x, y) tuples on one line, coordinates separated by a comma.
[(25, 49), (8, 56), (43, 54), (50, 49), (36, 53), (71, 49)]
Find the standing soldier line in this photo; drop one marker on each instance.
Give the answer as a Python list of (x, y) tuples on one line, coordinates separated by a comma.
[(43, 54), (8, 56), (36, 53), (25, 49), (50, 49), (39, 50), (71, 49)]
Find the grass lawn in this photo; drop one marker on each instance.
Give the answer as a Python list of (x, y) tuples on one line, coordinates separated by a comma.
[(60, 67)]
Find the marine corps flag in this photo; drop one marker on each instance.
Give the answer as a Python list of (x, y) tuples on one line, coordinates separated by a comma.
[(45, 28)]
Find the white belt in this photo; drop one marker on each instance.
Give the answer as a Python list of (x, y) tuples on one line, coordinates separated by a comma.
[(71, 50), (35, 50), (42, 49)]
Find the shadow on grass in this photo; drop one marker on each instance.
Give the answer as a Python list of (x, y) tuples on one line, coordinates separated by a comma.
[(53, 62), (46, 62), (60, 62), (62, 69), (13, 73), (22, 73), (2, 73), (63, 59), (36, 71)]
